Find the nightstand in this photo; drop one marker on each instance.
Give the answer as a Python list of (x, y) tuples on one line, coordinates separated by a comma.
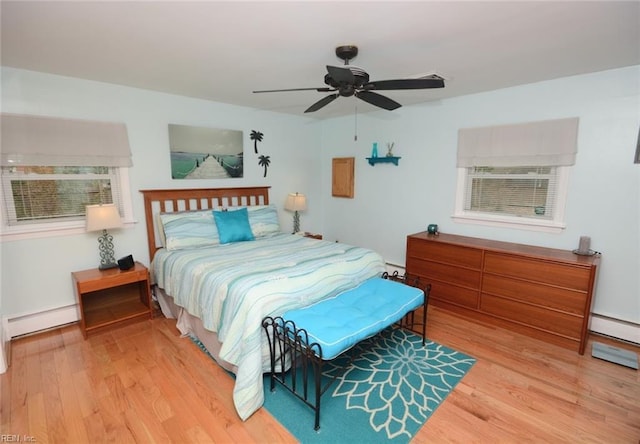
[(113, 296), (312, 235)]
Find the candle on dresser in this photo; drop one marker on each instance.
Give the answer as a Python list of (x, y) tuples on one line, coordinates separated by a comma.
[(584, 245)]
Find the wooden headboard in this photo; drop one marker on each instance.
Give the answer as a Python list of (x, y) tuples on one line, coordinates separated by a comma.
[(192, 199)]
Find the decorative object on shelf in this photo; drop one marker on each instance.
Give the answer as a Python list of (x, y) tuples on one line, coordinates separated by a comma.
[(373, 160), (432, 229), (256, 136), (103, 217), (374, 150), (296, 202), (390, 149)]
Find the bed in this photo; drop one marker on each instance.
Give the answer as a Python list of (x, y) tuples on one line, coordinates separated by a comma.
[(219, 280)]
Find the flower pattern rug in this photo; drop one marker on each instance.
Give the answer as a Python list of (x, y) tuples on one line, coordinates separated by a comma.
[(385, 389)]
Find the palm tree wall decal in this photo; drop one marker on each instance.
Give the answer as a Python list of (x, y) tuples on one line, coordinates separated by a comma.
[(264, 161), (256, 136)]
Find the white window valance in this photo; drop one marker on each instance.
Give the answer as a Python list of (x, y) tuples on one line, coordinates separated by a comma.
[(52, 141), (551, 142)]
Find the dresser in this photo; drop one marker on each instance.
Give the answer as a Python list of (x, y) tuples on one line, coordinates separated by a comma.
[(541, 292)]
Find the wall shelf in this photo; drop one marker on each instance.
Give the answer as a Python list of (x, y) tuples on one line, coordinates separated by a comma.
[(373, 160)]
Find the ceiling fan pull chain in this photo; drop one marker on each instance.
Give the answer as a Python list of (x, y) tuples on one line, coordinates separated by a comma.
[(355, 135)]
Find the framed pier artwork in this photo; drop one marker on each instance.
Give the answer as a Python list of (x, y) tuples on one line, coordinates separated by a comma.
[(205, 153)]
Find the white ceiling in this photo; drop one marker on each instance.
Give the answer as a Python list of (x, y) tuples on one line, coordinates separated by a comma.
[(222, 51)]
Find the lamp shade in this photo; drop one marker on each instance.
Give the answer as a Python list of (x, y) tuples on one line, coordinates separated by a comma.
[(295, 202), (102, 217)]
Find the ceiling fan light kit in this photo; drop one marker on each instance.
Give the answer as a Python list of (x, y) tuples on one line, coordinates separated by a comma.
[(349, 80)]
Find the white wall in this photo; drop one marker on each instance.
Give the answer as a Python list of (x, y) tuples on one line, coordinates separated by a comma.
[(604, 193), (390, 202), (36, 272)]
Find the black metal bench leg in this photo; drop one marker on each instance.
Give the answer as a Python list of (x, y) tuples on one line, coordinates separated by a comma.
[(427, 290), (318, 383), (424, 321)]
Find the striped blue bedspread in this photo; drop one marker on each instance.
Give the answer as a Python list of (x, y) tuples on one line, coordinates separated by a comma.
[(232, 287)]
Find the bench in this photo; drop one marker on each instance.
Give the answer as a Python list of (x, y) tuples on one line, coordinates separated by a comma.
[(302, 340)]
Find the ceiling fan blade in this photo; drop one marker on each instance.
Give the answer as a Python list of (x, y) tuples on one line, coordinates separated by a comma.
[(378, 100), (386, 85), (323, 89), (341, 75), (322, 102)]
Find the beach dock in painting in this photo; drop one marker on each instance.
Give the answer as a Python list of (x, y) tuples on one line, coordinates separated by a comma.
[(210, 168), (205, 166)]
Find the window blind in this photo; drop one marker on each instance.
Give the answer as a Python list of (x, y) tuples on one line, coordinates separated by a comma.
[(512, 191), (551, 142), (53, 194), (51, 141)]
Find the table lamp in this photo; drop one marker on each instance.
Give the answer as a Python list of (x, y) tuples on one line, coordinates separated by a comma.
[(102, 217), (296, 202)]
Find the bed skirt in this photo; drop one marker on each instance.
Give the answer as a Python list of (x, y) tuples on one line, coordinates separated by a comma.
[(189, 325)]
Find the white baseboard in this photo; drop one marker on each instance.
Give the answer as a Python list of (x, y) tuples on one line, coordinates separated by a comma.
[(31, 323), (615, 328)]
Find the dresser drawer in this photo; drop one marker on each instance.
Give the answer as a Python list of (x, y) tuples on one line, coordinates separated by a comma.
[(455, 295), (446, 253), (557, 298), (548, 272), (114, 279), (552, 321), (444, 272)]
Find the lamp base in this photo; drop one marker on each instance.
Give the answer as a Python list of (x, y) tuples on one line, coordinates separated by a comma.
[(296, 222), (107, 261)]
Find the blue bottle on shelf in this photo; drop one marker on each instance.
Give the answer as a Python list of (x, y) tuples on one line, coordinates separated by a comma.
[(374, 151)]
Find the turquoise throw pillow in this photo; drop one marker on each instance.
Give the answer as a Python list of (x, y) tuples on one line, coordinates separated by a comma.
[(233, 226)]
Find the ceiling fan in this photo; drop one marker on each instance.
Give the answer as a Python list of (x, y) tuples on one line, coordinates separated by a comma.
[(350, 81)]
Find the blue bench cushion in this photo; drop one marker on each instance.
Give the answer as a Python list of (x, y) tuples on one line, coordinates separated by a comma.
[(339, 323)]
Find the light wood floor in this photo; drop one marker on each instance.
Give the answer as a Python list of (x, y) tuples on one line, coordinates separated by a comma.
[(143, 383)]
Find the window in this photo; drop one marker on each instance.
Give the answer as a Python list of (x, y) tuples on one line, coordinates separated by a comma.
[(515, 175), (523, 196), (41, 194), (52, 168), (47, 200)]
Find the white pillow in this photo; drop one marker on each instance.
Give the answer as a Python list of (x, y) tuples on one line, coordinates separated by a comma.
[(263, 220), (189, 229)]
